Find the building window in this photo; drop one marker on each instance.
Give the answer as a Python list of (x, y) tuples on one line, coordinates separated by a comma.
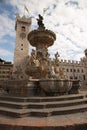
[(74, 70), (84, 77), (21, 77), (21, 44), (71, 77), (76, 77), (71, 70), (21, 48), (67, 70), (82, 70), (3, 72), (77, 70)]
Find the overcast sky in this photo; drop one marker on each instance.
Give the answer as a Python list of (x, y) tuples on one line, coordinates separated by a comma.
[(67, 18)]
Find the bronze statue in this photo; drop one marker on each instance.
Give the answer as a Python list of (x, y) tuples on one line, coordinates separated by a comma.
[(40, 22)]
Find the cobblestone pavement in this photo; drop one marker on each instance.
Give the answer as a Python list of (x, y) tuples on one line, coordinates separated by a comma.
[(60, 120)]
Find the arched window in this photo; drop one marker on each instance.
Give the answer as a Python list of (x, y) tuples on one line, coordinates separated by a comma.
[(77, 70), (84, 77), (75, 77), (71, 70), (21, 44), (82, 70), (23, 28), (67, 70), (71, 77), (74, 70)]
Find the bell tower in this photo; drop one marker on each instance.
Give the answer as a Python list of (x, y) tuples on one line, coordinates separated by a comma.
[(21, 51)]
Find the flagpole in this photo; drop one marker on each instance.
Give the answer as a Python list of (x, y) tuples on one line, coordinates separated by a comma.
[(44, 10), (24, 10)]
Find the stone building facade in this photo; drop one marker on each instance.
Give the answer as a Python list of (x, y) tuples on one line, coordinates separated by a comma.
[(6, 69), (76, 69)]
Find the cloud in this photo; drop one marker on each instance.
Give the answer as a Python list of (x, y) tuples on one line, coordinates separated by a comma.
[(72, 3), (7, 25), (4, 52)]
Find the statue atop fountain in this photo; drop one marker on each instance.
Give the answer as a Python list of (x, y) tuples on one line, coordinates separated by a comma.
[(40, 22)]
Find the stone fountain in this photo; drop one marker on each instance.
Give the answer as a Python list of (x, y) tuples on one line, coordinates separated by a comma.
[(51, 77)]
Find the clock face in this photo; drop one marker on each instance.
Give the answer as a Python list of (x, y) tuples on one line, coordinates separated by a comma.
[(22, 35)]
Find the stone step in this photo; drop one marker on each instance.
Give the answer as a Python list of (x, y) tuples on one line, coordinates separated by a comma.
[(14, 112), (39, 105), (43, 99), (42, 106), (59, 111), (42, 112)]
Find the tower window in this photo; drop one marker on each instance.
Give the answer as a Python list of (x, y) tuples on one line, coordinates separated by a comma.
[(21, 44), (23, 28)]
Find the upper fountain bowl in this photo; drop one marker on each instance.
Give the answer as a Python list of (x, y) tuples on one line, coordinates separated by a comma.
[(41, 37)]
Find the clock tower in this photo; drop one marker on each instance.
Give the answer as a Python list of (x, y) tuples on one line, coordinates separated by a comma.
[(21, 50)]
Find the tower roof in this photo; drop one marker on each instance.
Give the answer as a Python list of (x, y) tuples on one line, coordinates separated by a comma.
[(22, 19)]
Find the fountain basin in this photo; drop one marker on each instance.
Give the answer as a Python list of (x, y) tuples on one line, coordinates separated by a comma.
[(40, 38), (55, 86), (75, 87)]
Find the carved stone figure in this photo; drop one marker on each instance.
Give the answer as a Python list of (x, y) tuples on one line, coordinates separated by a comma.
[(57, 55), (56, 60), (33, 57)]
